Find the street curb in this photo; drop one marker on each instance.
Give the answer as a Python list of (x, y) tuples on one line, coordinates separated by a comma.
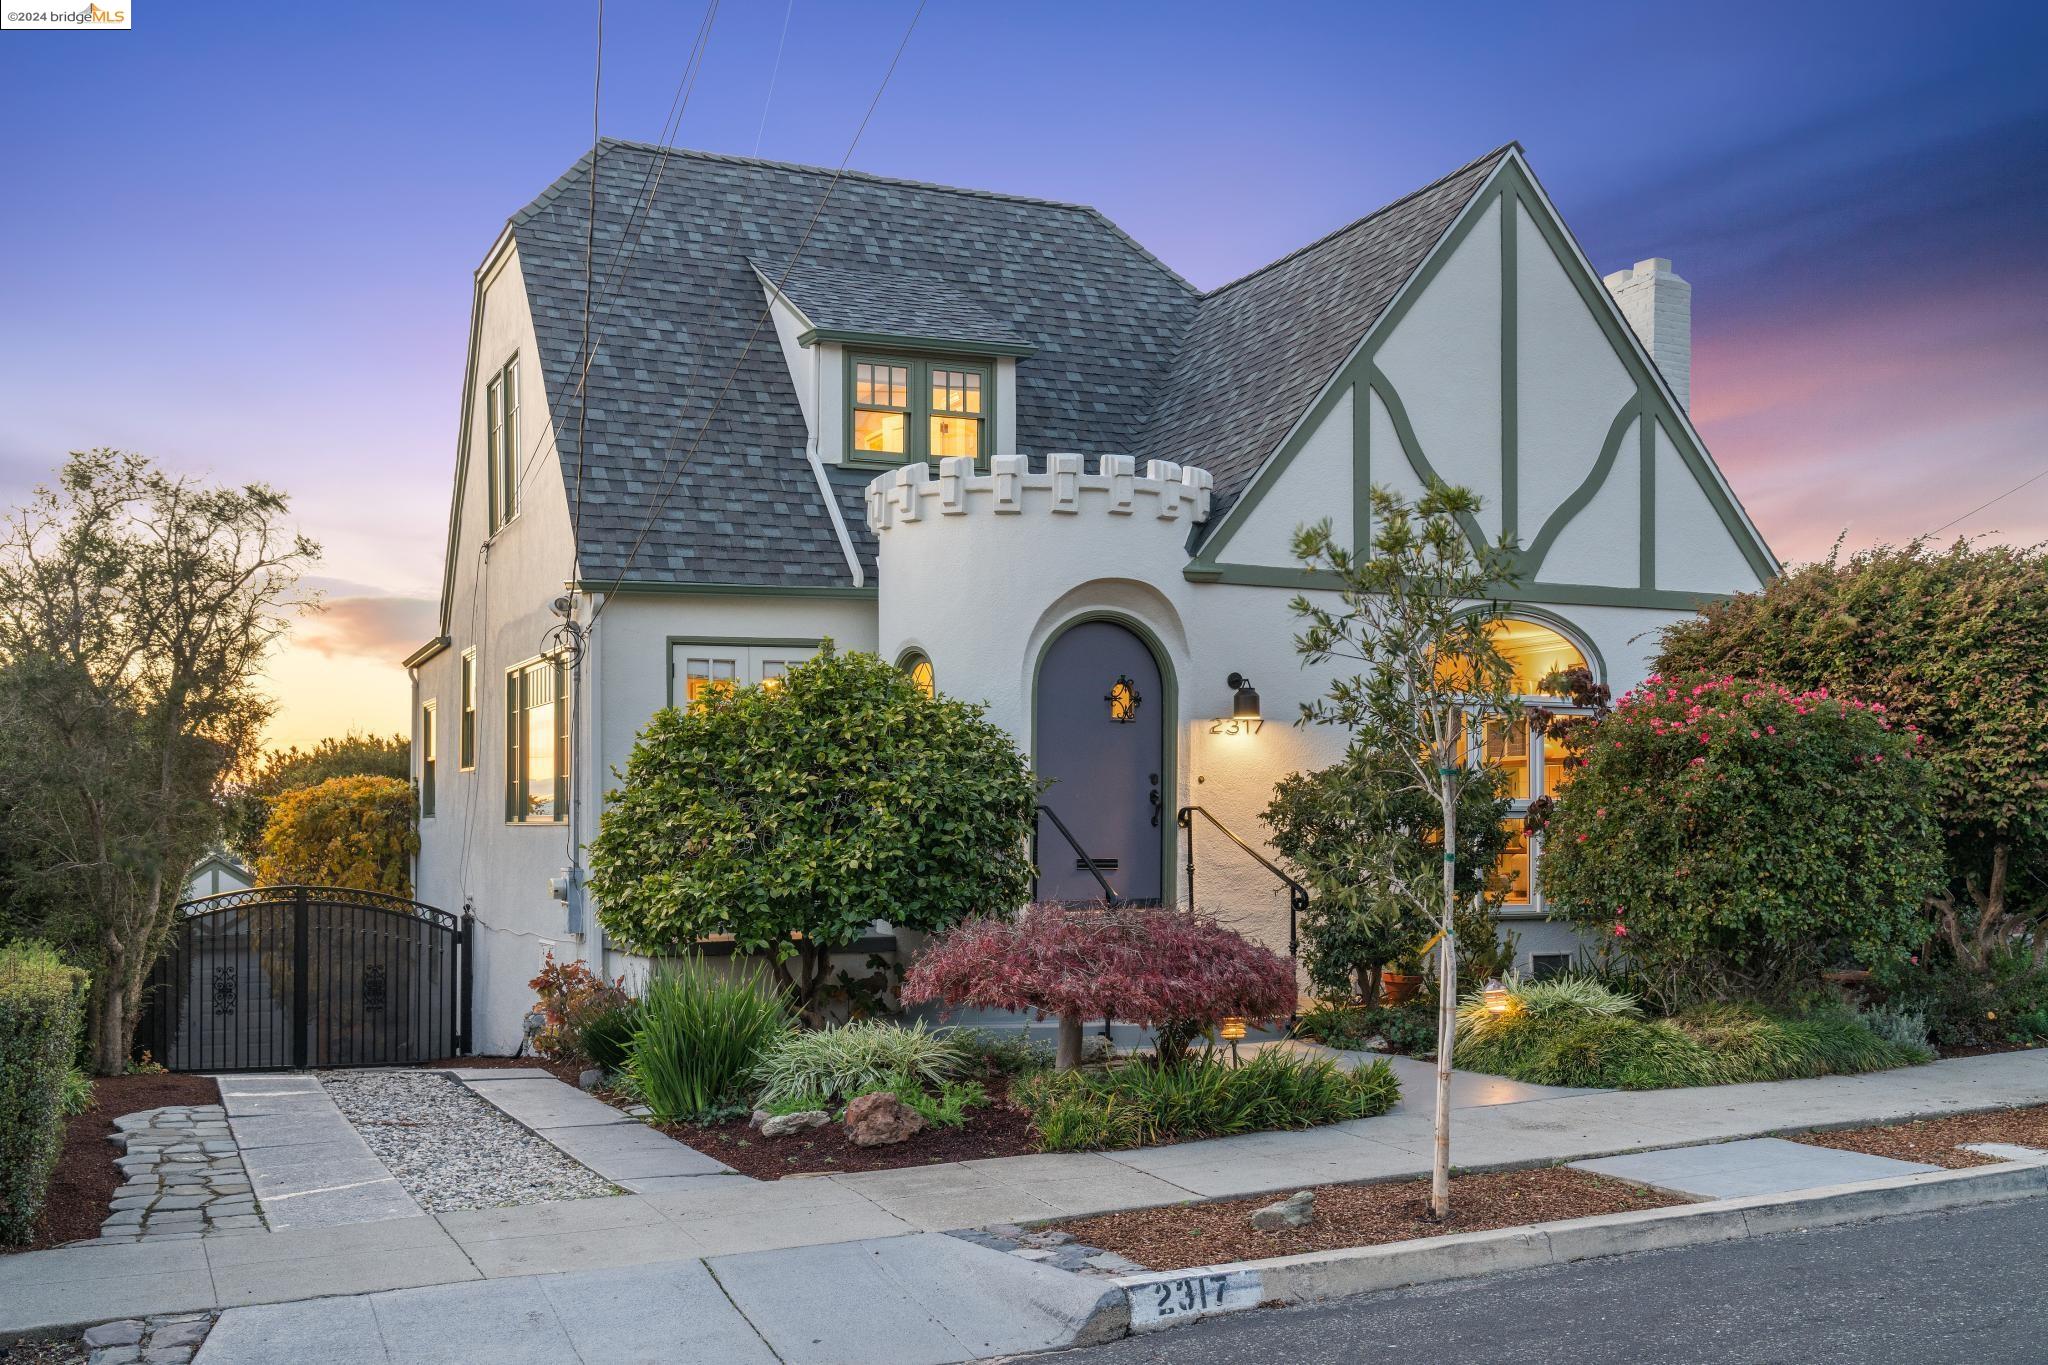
[(1162, 1299)]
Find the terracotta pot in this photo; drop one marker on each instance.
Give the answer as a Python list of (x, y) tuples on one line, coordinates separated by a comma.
[(1398, 988)]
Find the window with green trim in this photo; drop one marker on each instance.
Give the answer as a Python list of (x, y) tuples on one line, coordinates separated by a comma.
[(536, 744), (465, 756), (501, 439), (900, 408)]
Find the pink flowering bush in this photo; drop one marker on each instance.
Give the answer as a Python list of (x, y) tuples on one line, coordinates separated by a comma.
[(1734, 838), (1155, 966)]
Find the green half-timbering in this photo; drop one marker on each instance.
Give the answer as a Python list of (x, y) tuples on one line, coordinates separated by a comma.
[(1645, 411)]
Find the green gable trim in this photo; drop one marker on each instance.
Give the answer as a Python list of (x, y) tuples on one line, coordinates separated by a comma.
[(1553, 594), (939, 345), (1516, 193), (648, 589)]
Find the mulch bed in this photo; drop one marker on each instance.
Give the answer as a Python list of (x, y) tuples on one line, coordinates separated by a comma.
[(996, 1129), (1179, 1236), (82, 1187), (44, 1351), (1938, 1142)]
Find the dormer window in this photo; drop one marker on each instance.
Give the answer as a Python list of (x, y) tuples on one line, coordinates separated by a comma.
[(903, 408)]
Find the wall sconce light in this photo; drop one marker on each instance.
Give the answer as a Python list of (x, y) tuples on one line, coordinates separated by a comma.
[(1244, 701), (1496, 997)]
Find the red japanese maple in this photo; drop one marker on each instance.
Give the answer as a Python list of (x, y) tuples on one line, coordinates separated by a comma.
[(1152, 966)]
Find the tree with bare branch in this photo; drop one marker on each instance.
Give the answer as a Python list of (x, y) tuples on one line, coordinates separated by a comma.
[(136, 609)]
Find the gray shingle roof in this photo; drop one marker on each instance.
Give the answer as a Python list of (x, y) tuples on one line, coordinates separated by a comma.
[(1128, 357), (1104, 315), (920, 304), (1262, 347)]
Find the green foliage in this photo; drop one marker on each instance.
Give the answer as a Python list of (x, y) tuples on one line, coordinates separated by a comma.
[(1199, 1096), (948, 1108), (1408, 1028), (278, 771), (813, 808), (853, 1059), (1369, 843), (358, 832), (701, 1034), (1950, 641), (605, 1036), (1573, 1032), (1900, 1025), (1735, 839), (41, 1002), (571, 997), (1966, 1005), (136, 612), (796, 1104), (1010, 1051)]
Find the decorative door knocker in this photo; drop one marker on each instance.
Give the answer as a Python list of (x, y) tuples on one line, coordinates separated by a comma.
[(1123, 700)]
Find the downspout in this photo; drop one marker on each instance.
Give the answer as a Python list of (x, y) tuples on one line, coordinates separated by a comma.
[(599, 948)]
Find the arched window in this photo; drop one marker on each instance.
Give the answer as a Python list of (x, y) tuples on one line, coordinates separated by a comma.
[(919, 667), (1538, 652)]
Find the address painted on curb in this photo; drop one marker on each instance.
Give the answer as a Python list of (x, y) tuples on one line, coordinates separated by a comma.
[(1169, 1301)]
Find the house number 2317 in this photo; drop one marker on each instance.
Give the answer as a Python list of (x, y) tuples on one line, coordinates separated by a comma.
[(1229, 725)]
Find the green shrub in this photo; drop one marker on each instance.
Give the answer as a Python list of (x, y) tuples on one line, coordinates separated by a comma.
[(701, 1033), (1409, 1028), (1197, 1097), (1572, 1032), (42, 1010), (606, 1036), (1966, 1007), (77, 1094), (1736, 838), (1011, 1051), (1899, 1025), (856, 1058), (796, 1104), (947, 1109)]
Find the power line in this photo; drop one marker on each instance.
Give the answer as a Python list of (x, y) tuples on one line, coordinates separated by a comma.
[(773, 72), (2037, 477), (629, 243), (704, 427)]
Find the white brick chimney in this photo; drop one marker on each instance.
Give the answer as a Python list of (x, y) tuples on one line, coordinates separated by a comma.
[(1658, 305)]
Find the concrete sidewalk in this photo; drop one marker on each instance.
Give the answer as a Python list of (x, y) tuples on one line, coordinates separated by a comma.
[(706, 1217)]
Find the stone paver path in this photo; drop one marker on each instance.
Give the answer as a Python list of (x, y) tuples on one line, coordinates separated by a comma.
[(171, 1339), (1731, 1170), (183, 1177)]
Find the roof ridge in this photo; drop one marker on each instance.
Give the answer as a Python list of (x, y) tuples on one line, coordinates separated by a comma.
[(1388, 207)]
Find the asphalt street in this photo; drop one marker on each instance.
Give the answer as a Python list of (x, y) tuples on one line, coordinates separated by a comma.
[(1958, 1286)]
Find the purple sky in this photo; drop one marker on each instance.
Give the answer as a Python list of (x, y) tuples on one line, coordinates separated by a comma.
[(240, 240)]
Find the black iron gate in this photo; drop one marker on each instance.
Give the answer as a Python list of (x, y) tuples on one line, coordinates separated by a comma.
[(279, 977)]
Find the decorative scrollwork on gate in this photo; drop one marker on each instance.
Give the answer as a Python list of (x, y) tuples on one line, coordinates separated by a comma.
[(223, 990), (373, 988)]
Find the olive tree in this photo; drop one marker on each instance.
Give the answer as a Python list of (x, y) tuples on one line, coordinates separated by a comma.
[(1414, 611), (793, 814)]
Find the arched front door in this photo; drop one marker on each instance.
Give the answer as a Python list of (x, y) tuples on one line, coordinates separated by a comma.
[(1099, 730)]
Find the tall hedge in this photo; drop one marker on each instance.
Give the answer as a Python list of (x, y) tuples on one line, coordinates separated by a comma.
[(347, 831), (42, 1011)]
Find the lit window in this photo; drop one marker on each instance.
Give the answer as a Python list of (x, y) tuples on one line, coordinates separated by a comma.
[(428, 754), (536, 744), (704, 676), (1511, 874), (1123, 701), (920, 670), (1535, 651), (918, 409), (466, 740)]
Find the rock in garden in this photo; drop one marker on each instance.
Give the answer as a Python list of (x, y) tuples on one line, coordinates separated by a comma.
[(1292, 1212), (782, 1125), (880, 1119), (124, 1333)]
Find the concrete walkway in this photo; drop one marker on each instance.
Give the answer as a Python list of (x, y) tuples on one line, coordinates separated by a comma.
[(616, 1146), (707, 1217), (307, 1164)]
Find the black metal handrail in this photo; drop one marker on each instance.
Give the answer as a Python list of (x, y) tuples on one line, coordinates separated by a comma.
[(1109, 896), (1297, 894)]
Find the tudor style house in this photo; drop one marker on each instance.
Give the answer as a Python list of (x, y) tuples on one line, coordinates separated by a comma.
[(994, 439)]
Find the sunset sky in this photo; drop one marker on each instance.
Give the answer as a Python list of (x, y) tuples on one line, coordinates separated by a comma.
[(239, 239)]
